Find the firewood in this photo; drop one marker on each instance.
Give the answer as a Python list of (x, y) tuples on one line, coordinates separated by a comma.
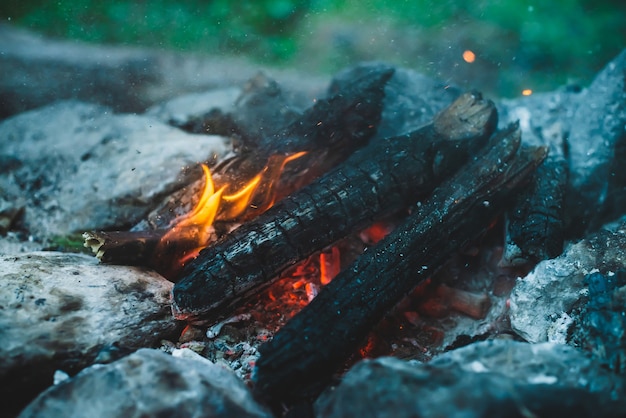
[(123, 247), (535, 224), (329, 131), (319, 339), (380, 179)]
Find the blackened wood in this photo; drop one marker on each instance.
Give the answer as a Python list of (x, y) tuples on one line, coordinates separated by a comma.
[(535, 225), (124, 247), (329, 131), (316, 342), (154, 248), (378, 180)]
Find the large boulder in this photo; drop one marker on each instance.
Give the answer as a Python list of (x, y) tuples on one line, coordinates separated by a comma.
[(488, 379), (545, 303), (64, 311), (76, 166), (150, 383)]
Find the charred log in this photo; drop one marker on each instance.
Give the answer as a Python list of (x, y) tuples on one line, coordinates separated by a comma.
[(535, 225), (329, 131), (383, 178), (318, 340), (154, 249), (123, 247)]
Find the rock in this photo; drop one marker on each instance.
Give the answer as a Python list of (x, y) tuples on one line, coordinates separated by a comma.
[(149, 383), (183, 109), (37, 71), (79, 166), (63, 311), (597, 147), (602, 325), (544, 118), (543, 304), (258, 109), (411, 99), (488, 379)]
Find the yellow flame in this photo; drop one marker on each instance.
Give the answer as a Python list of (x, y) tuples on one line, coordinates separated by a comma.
[(191, 232), (195, 227), (240, 200)]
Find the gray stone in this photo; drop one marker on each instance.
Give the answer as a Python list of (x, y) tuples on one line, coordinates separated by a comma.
[(489, 379), (544, 118), (182, 109), (80, 167), (597, 143), (63, 311), (542, 363), (542, 303), (149, 383), (37, 71)]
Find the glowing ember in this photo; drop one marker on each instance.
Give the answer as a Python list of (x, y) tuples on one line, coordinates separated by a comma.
[(469, 56), (376, 232), (330, 265)]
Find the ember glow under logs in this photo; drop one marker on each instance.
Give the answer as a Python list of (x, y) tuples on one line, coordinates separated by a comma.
[(385, 177)]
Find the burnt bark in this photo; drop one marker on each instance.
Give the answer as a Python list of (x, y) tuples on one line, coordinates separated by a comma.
[(329, 131), (535, 225), (155, 249), (383, 178), (318, 340), (124, 247)]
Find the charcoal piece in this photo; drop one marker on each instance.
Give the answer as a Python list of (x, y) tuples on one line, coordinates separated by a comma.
[(263, 108), (535, 225), (602, 325), (213, 122), (315, 342), (378, 180), (122, 247)]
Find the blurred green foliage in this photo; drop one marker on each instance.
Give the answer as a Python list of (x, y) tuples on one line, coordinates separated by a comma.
[(73, 243), (549, 39), (261, 26)]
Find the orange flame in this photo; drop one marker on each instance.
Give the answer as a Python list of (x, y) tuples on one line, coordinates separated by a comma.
[(193, 231), (239, 201)]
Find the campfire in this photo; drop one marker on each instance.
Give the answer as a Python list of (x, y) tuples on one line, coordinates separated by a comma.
[(356, 229)]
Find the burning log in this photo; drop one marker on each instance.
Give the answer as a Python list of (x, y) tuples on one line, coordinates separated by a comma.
[(314, 343), (383, 178), (325, 135)]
